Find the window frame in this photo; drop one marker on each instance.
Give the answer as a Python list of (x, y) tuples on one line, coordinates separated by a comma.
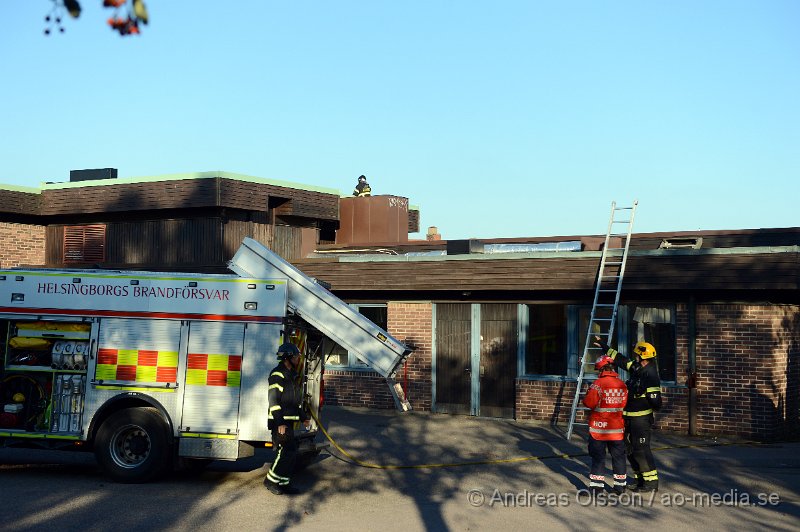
[(524, 322), (624, 319), (623, 339)]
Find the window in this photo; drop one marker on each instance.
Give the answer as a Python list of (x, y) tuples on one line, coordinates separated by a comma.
[(84, 243), (555, 335), (655, 324), (546, 348), (339, 357)]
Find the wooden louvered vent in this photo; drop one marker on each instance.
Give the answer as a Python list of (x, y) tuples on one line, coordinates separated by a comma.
[(84, 243)]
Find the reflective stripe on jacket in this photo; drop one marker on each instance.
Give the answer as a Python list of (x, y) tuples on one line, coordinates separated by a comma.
[(285, 397), (362, 189), (645, 385)]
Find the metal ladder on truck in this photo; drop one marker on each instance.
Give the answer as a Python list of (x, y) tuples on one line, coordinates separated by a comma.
[(328, 314), (606, 299)]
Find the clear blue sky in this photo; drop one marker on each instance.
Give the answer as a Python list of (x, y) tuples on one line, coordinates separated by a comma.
[(497, 119)]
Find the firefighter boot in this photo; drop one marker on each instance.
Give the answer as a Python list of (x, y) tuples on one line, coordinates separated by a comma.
[(639, 484), (649, 482), (620, 484), (274, 488), (647, 487)]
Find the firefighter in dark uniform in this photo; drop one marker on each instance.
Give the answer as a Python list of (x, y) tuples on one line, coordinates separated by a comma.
[(362, 188), (644, 389), (285, 408)]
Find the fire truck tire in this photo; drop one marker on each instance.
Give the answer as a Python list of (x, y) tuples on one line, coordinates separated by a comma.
[(133, 445)]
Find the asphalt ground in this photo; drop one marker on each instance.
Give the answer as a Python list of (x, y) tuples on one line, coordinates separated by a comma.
[(517, 475)]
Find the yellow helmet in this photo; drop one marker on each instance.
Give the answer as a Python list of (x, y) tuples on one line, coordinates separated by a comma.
[(645, 350)]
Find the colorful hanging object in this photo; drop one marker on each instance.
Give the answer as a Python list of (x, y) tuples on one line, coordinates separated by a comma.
[(126, 19)]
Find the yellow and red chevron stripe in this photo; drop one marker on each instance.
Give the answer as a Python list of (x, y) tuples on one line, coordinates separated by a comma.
[(214, 370), (137, 365)]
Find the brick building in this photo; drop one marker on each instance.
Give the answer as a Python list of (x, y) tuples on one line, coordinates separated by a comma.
[(726, 310), (496, 324)]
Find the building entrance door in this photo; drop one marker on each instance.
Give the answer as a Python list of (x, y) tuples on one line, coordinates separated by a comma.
[(498, 360), (453, 372), (476, 359)]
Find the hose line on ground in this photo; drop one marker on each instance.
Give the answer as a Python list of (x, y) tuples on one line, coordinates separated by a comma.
[(369, 465)]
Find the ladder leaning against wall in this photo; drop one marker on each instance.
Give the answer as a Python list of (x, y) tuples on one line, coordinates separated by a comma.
[(606, 298)]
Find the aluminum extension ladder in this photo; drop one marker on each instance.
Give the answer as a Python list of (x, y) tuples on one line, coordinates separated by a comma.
[(606, 299)]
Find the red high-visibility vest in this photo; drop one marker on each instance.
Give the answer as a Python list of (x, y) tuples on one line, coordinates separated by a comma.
[(607, 396)]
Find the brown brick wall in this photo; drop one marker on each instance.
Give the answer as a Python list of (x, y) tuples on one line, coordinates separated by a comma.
[(545, 400), (748, 365), (551, 401), (356, 388), (21, 244), (410, 323)]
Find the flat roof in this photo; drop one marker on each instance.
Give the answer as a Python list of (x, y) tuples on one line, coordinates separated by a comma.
[(175, 177)]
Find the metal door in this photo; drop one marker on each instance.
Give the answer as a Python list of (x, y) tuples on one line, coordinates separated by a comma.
[(213, 378), (498, 359), (453, 358), (136, 355)]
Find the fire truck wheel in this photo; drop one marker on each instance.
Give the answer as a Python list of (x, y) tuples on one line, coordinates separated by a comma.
[(133, 445)]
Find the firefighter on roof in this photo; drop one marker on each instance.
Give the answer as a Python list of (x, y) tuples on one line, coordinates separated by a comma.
[(607, 396), (644, 387), (285, 408), (362, 188)]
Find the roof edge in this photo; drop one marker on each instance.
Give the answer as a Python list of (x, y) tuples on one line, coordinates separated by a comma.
[(762, 250), (17, 188), (189, 175)]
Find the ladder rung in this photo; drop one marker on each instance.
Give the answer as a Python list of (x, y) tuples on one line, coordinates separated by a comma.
[(604, 305), (623, 208), (599, 334), (581, 424), (602, 319), (615, 249), (614, 263), (609, 276), (606, 290)]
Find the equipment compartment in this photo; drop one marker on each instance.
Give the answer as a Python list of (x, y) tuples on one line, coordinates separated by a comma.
[(47, 345), (25, 400), (43, 378), (68, 396)]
